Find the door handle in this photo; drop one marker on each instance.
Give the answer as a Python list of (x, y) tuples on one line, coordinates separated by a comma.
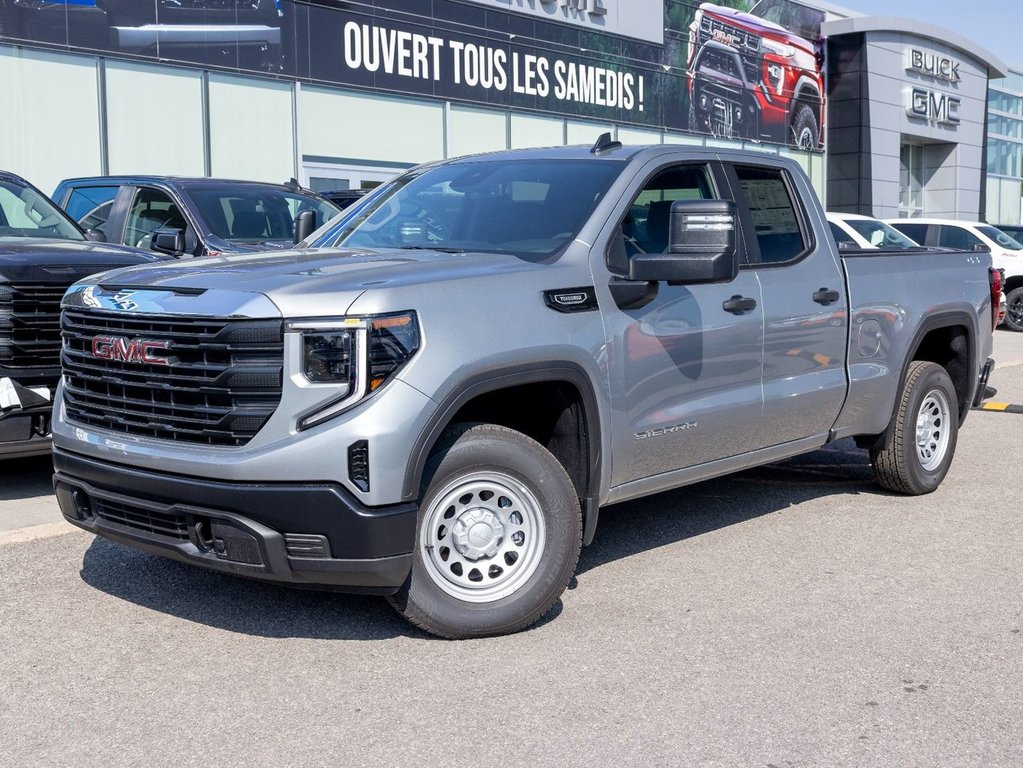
[(739, 305), (826, 296)]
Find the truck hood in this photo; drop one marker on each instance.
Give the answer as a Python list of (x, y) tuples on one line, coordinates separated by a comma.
[(31, 251), (758, 26), (308, 283)]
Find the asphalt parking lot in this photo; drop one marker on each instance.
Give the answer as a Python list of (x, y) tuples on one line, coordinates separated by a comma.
[(792, 615)]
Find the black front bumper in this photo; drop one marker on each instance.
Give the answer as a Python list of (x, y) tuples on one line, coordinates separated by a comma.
[(302, 533)]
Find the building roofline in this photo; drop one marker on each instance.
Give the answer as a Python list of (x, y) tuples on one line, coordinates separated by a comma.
[(859, 24)]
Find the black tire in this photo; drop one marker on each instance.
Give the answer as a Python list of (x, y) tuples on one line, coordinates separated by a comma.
[(930, 401), (512, 495), (1014, 309), (805, 130)]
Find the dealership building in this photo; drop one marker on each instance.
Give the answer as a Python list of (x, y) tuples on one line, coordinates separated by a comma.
[(890, 117)]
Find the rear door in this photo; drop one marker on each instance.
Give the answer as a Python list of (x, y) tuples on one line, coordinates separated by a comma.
[(804, 304)]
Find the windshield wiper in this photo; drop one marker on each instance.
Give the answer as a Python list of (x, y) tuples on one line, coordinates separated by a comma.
[(440, 248)]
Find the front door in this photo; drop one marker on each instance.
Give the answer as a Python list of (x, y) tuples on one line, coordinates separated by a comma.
[(684, 371)]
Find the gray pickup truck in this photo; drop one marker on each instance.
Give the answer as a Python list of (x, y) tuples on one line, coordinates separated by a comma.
[(501, 345)]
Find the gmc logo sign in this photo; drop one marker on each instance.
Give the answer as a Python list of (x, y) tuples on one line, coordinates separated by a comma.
[(127, 350)]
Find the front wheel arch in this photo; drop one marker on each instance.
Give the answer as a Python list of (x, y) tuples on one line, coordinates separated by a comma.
[(453, 408)]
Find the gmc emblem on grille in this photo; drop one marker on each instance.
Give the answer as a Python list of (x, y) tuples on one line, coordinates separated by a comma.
[(128, 350)]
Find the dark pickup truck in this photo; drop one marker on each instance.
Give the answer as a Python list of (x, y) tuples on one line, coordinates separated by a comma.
[(42, 252), (185, 217)]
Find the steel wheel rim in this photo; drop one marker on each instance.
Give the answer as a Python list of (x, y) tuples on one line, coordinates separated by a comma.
[(933, 430), (483, 537)]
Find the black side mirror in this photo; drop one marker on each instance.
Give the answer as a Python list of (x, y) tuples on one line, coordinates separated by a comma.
[(169, 241), (701, 246), (305, 225), (95, 236)]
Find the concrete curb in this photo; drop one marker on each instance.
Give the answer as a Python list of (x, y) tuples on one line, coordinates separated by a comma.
[(33, 532)]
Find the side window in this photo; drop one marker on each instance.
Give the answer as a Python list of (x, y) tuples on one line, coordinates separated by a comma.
[(775, 221), (957, 237), (843, 238), (915, 232), (91, 206), (645, 227), (151, 209)]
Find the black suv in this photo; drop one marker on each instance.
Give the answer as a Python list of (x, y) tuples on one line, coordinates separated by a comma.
[(185, 217), (231, 33), (42, 252)]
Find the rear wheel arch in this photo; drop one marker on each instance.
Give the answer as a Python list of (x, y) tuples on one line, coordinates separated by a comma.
[(949, 340), (1012, 283)]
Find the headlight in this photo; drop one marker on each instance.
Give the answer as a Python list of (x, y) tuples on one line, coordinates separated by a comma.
[(327, 356), (357, 355), (786, 51)]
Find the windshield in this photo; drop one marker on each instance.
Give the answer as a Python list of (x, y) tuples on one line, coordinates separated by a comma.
[(242, 212), (529, 208), (879, 234), (24, 212), (1000, 237)]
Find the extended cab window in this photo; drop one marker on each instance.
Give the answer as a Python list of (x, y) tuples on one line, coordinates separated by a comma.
[(91, 206), (915, 232), (766, 193), (151, 210)]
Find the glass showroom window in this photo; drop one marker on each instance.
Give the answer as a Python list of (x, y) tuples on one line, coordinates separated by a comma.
[(911, 181)]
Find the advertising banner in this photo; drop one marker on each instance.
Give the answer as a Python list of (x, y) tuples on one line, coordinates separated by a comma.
[(709, 68)]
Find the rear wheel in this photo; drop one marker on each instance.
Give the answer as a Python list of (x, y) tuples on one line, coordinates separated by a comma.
[(499, 535), (1014, 309), (924, 435)]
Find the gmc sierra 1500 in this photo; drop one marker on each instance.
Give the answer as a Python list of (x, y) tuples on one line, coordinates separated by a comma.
[(503, 344)]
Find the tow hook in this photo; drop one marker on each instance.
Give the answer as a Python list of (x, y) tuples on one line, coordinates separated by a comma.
[(200, 535)]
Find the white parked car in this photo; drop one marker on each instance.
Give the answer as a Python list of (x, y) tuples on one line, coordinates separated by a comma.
[(851, 230), (1006, 252)]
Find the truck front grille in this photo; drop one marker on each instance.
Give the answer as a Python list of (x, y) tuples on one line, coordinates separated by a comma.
[(746, 43), (157, 523), (220, 384), (30, 324)]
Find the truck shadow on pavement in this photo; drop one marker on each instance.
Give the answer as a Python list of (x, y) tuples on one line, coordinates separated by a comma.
[(26, 478), (234, 603), (249, 607), (636, 526)]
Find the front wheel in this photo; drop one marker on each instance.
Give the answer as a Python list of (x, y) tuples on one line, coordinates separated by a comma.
[(1014, 309), (924, 435), (499, 535), (805, 131)]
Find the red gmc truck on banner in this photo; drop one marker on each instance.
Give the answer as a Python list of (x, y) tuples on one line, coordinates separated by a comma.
[(757, 75)]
